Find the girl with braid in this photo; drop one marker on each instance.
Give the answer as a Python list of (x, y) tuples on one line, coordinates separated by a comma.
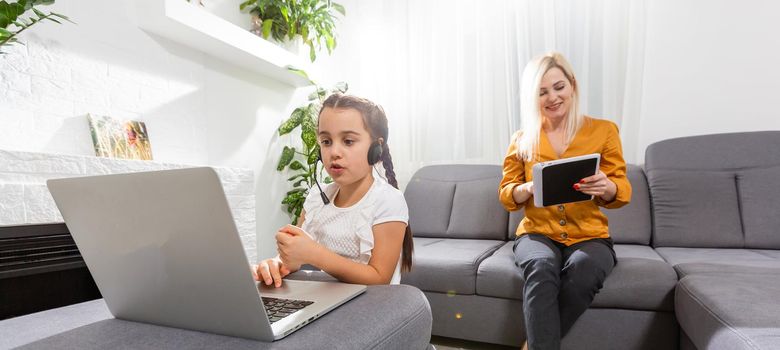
[(360, 234)]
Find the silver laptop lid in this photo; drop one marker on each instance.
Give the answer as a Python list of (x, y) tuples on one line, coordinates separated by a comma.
[(184, 269)]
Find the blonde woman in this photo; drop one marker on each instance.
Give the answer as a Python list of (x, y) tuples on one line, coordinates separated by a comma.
[(564, 252)]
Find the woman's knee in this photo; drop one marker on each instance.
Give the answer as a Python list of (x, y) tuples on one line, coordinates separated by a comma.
[(543, 267)]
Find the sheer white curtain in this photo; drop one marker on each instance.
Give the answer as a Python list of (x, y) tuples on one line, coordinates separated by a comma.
[(447, 72)]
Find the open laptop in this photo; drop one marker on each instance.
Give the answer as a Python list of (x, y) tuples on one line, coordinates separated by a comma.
[(163, 249)]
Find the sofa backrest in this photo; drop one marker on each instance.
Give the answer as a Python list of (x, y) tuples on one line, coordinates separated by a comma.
[(716, 190), (456, 201), (632, 223)]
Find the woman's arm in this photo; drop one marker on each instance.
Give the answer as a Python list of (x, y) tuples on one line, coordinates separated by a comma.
[(513, 190), (388, 241), (618, 192)]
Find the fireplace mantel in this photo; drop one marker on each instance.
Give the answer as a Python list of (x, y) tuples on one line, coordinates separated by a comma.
[(25, 200)]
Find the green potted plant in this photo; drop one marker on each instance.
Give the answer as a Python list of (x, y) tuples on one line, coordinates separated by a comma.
[(283, 20), (301, 162), (16, 17)]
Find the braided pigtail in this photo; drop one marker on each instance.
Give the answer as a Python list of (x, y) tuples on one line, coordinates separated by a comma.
[(408, 244)]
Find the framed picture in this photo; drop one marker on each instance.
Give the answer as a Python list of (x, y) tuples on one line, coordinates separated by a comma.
[(114, 138)]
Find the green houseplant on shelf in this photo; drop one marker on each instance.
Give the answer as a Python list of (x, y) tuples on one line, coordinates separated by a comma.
[(16, 17), (313, 20), (301, 162)]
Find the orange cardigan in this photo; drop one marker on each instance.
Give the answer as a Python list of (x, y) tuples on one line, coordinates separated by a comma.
[(569, 223)]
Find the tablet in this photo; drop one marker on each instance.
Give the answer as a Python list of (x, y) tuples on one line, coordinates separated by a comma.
[(554, 180)]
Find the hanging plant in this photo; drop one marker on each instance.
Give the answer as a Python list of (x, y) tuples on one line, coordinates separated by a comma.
[(16, 17), (283, 20)]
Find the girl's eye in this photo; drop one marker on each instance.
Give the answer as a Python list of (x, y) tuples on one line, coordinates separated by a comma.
[(542, 93), (559, 87), (348, 142), (325, 142)]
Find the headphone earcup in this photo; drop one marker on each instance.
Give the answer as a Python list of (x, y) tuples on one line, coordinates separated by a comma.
[(374, 153)]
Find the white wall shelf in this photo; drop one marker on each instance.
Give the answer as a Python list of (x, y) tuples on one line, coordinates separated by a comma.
[(195, 27)]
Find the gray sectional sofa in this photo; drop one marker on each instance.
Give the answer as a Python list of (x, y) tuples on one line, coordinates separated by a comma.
[(698, 251)]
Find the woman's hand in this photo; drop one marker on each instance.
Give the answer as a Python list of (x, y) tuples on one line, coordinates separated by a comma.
[(598, 185), (295, 246), (522, 192), (270, 271)]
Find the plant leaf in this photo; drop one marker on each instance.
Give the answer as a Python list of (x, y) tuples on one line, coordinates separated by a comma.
[(296, 165), (341, 87), (327, 180), (339, 8), (39, 13), (267, 27), (290, 124), (62, 17), (287, 155)]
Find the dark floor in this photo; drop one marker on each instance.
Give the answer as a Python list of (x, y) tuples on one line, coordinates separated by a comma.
[(442, 343)]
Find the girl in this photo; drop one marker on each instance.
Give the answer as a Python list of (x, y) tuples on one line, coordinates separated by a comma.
[(359, 231), (564, 252)]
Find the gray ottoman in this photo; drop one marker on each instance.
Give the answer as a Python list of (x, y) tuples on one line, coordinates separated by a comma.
[(384, 317)]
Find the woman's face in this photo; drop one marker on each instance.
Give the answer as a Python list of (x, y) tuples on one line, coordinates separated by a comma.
[(555, 93), (344, 143)]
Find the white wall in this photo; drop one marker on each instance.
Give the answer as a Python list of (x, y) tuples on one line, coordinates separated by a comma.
[(198, 110), (710, 67)]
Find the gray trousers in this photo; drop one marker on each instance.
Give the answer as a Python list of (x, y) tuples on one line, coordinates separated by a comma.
[(560, 283)]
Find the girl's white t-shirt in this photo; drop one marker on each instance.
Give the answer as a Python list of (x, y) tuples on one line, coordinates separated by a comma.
[(348, 231)]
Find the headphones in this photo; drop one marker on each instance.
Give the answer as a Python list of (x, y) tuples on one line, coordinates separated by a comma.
[(374, 156)]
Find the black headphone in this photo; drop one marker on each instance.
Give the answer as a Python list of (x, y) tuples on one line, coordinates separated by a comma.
[(374, 156)]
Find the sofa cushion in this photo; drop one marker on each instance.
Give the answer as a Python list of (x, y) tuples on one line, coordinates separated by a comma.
[(448, 265), (688, 261), (759, 196), (729, 311), (687, 269), (695, 184), (631, 224), (456, 201), (723, 256), (640, 281), (695, 209)]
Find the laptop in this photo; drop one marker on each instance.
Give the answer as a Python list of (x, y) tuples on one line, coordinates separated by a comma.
[(163, 249)]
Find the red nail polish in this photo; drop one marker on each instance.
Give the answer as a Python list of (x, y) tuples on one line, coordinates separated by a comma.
[(582, 181), (576, 186)]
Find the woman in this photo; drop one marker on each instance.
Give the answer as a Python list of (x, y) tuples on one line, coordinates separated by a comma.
[(564, 252)]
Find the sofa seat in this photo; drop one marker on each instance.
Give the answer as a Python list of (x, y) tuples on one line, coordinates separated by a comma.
[(640, 281), (687, 261), (729, 311), (447, 265), (401, 320)]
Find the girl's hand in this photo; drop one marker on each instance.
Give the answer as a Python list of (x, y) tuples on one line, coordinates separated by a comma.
[(597, 185), (295, 246), (270, 271)]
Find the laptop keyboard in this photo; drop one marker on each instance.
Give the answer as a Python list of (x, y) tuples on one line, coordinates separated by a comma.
[(278, 308)]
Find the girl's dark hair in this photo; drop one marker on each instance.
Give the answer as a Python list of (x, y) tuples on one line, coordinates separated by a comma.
[(376, 122)]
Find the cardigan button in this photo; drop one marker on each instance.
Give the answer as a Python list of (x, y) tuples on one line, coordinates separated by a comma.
[(560, 207), (564, 235), (562, 222)]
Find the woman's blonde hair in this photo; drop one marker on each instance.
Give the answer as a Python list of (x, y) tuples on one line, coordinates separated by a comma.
[(530, 110)]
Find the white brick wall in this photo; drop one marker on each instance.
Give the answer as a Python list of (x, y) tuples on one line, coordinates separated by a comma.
[(24, 198), (197, 109)]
